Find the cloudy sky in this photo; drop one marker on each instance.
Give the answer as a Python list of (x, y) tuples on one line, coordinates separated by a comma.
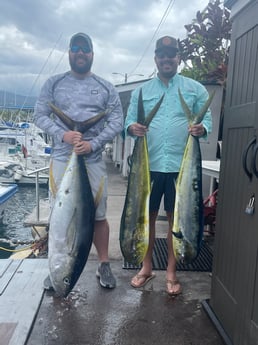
[(34, 37)]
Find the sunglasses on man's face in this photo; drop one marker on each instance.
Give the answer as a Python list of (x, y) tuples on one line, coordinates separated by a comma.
[(76, 49), (170, 54)]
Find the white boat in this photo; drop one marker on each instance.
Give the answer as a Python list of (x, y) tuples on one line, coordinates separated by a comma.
[(15, 172), (6, 193), (23, 149)]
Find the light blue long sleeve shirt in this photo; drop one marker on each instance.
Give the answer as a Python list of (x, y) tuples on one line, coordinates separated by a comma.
[(168, 131)]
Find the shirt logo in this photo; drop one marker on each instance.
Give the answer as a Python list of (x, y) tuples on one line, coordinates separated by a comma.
[(94, 92)]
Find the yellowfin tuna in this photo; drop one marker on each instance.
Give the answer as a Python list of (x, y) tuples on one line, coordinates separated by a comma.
[(72, 218)]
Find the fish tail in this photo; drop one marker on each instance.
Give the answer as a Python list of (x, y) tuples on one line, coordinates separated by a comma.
[(185, 107), (66, 120), (195, 119), (140, 114), (205, 108), (141, 117), (153, 111), (75, 125)]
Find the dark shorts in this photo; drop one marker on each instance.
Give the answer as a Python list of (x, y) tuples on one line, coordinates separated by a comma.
[(163, 184)]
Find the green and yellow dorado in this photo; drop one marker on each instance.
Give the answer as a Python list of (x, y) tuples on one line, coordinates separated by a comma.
[(188, 212), (134, 226)]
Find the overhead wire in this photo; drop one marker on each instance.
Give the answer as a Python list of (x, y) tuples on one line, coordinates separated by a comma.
[(59, 62), (164, 17), (39, 74)]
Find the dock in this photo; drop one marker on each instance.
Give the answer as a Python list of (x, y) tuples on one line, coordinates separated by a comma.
[(21, 293)]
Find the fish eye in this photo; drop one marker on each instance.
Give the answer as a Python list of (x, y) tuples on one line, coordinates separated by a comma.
[(66, 281)]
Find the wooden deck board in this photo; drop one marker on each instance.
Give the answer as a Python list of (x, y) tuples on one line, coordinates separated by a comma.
[(7, 271), (22, 292)]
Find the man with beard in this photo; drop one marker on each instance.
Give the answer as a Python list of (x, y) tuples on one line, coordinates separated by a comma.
[(81, 95), (166, 137)]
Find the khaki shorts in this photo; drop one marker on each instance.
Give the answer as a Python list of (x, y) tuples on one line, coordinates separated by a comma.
[(97, 175)]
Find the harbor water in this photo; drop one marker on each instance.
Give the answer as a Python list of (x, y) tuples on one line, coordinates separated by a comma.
[(18, 208)]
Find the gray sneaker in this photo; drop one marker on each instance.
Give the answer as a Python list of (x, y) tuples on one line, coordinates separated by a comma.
[(106, 278)]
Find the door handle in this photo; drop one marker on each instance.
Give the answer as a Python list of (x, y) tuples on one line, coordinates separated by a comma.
[(244, 158), (254, 160)]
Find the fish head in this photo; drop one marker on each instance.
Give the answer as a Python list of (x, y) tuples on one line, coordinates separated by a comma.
[(62, 276), (134, 249), (184, 250), (63, 287)]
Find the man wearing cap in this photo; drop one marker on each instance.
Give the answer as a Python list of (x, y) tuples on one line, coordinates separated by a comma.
[(166, 137), (81, 95)]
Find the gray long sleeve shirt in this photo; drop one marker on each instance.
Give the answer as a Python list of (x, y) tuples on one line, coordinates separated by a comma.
[(79, 99)]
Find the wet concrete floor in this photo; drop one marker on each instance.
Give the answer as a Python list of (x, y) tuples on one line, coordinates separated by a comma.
[(92, 315)]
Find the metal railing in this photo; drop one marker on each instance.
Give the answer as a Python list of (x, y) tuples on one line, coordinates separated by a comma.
[(37, 177)]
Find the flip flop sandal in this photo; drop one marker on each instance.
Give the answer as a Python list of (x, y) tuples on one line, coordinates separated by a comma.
[(145, 278), (170, 285)]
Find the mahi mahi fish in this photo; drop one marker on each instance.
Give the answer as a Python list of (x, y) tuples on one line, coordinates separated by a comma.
[(134, 226), (72, 217), (188, 212)]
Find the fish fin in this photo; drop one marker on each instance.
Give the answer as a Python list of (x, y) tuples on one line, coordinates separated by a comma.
[(99, 192), (178, 234), (71, 238)]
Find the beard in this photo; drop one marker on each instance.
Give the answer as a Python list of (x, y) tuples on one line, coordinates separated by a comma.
[(80, 69), (167, 68)]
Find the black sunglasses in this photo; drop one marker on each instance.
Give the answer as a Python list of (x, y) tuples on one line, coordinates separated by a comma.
[(170, 54), (76, 49)]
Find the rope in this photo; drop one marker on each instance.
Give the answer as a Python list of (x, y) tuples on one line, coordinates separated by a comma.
[(15, 250), (15, 243)]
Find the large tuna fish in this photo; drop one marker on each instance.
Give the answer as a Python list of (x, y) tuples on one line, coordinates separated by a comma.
[(134, 227), (72, 219), (188, 212), (71, 227)]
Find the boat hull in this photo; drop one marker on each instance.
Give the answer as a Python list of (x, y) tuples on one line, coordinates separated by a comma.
[(7, 191), (12, 172)]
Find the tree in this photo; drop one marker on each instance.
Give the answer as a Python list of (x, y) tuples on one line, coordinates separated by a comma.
[(205, 50)]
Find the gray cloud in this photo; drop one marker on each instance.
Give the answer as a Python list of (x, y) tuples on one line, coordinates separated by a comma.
[(34, 36)]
